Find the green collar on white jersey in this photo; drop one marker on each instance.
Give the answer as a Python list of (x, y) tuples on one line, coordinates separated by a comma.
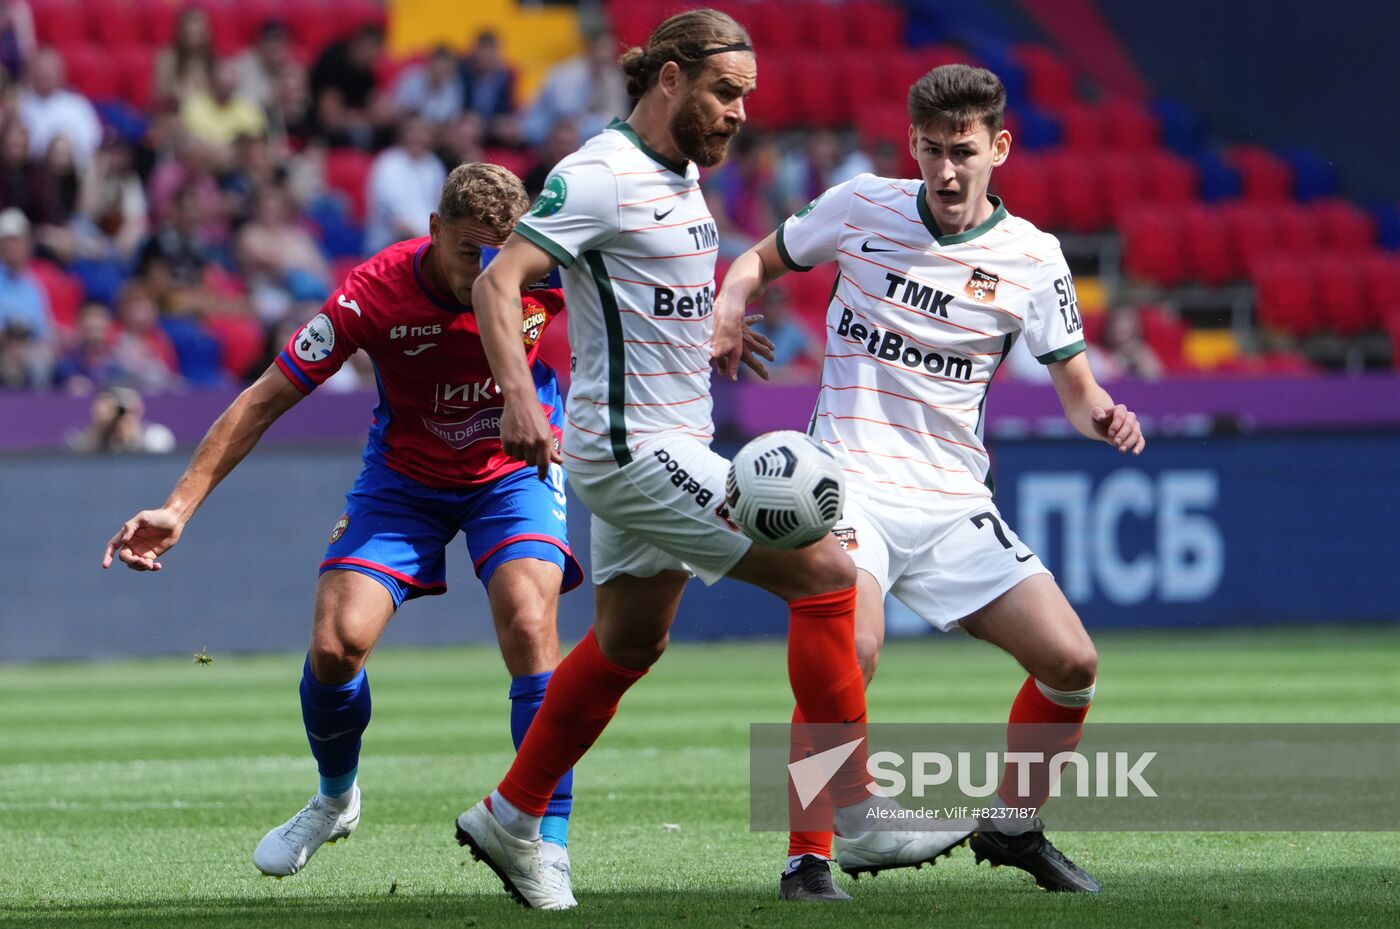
[(679, 167), (997, 216)]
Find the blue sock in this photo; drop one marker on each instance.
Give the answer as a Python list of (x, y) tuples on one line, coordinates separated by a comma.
[(526, 695), (335, 716)]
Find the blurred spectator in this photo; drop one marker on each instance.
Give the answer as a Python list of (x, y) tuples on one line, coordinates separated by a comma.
[(219, 115), (49, 111), (112, 200), (173, 261), (1125, 353), (737, 193), (27, 353), (252, 167), (16, 36), (90, 362), (432, 90), (290, 114), (55, 203), (563, 140), (190, 172), (17, 172), (488, 84), (144, 350), (462, 140), (588, 88), (117, 425), (343, 85), (805, 173), (278, 258), (404, 186), (187, 66), (261, 65), (796, 353)]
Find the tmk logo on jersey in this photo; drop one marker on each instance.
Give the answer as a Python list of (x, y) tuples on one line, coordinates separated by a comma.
[(704, 235), (982, 285), (483, 425), (667, 303), (919, 296), (682, 479), (889, 346), (413, 332)]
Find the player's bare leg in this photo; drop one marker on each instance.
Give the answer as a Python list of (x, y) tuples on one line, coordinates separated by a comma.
[(633, 617), (1036, 624), (351, 613), (524, 596)]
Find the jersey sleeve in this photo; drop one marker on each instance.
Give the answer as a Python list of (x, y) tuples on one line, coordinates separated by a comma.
[(319, 348), (809, 236), (1054, 331), (576, 212)]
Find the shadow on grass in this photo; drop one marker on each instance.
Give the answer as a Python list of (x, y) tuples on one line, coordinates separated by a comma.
[(1301, 896)]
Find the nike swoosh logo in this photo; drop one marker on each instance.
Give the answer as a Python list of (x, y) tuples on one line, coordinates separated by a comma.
[(420, 349), (865, 247), (1025, 559), (659, 216), (333, 735)]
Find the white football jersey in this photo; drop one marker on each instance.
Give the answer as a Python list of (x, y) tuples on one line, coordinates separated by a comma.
[(917, 325), (637, 244)]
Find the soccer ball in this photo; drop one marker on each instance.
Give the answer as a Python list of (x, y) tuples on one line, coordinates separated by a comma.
[(785, 490)]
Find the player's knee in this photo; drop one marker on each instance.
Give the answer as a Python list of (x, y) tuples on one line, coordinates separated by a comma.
[(827, 569), (637, 653), (337, 660), (532, 622), (1077, 669)]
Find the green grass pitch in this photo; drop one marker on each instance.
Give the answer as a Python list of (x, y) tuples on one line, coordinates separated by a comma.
[(132, 793)]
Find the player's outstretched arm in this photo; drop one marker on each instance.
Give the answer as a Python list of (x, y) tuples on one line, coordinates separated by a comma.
[(143, 538), (525, 433), (748, 277), (1090, 408)]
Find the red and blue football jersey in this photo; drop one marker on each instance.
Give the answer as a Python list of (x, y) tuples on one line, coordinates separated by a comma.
[(439, 413)]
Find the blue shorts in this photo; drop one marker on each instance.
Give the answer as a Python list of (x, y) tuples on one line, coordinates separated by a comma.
[(396, 530)]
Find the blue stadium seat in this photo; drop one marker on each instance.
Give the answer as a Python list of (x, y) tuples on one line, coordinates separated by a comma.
[(339, 236), (1313, 177), (1035, 128), (198, 351), (1219, 180), (102, 278), (1181, 130)]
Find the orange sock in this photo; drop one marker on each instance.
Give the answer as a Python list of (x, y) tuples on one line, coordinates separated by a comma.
[(820, 810), (825, 675), (581, 698), (1038, 724)]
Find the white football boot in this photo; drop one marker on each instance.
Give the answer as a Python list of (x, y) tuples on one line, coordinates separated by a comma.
[(286, 849), (535, 877), (880, 850)]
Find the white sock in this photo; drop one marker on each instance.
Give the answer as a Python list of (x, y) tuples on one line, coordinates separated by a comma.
[(795, 860), (340, 802), (518, 823)]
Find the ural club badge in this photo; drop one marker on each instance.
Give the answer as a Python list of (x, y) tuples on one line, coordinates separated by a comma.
[(982, 286)]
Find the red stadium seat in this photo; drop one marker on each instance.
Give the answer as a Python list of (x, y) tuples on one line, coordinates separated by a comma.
[(860, 78), (135, 74), (1294, 229), (1341, 294), (1381, 276), (1023, 182), (875, 26), (633, 20), (1049, 81), (1077, 192), (1082, 127), (1207, 246), (1166, 336), (241, 342), (158, 21), (64, 291), (59, 22), (312, 24), (89, 72), (884, 122), (1251, 231), (1168, 178), (347, 170), (115, 24), (1129, 125), (1123, 182), (1265, 176), (1343, 226), (1284, 296), (1152, 246)]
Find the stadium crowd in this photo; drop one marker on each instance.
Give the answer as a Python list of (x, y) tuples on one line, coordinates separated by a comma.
[(177, 246)]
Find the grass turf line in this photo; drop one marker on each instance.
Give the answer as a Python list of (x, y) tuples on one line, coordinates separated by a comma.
[(132, 793)]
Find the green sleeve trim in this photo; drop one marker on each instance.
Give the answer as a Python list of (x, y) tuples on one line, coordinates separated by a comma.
[(787, 258), (545, 243), (1061, 354)]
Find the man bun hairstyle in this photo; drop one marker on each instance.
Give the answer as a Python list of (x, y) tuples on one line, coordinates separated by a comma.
[(960, 96), (687, 39), (486, 194)]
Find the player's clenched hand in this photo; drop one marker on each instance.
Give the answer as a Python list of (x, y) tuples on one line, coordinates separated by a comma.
[(526, 436), (1119, 427), (143, 538), (756, 345)]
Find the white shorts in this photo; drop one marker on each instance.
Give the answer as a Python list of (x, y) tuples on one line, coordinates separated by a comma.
[(664, 511), (943, 566)]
